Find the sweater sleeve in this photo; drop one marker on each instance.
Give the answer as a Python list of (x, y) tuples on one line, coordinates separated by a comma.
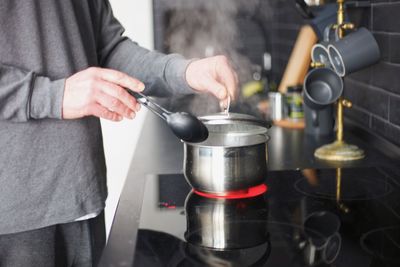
[(162, 74), (25, 95)]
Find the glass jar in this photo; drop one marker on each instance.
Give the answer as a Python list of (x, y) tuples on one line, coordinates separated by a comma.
[(294, 103)]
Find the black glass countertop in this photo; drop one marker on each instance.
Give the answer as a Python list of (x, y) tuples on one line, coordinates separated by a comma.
[(160, 152), (310, 217)]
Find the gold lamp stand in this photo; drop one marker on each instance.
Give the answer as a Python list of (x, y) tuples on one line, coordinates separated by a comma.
[(340, 150)]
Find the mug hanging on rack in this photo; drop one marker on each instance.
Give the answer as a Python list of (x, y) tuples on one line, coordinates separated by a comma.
[(354, 52), (319, 52), (322, 87)]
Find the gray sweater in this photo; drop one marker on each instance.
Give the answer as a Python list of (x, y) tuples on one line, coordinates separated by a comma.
[(53, 170)]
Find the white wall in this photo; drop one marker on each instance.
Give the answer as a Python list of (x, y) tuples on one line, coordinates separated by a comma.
[(120, 138)]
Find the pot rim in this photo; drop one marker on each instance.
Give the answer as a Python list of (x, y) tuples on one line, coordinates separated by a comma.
[(229, 118), (201, 145), (233, 130)]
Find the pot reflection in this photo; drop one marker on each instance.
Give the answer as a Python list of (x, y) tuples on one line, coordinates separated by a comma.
[(200, 256), (226, 223), (227, 232)]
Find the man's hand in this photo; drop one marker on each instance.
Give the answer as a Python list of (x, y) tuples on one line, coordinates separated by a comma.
[(100, 92), (214, 75)]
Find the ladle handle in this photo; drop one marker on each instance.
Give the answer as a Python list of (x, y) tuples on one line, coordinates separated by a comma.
[(145, 101)]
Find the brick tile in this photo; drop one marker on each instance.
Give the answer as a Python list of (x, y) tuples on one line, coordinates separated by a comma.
[(394, 115), (386, 76), (373, 100), (386, 130), (358, 115), (383, 41), (385, 17)]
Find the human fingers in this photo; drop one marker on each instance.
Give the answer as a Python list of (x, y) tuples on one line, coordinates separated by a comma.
[(119, 78), (114, 104), (119, 93), (102, 112), (87, 87), (216, 88), (227, 76)]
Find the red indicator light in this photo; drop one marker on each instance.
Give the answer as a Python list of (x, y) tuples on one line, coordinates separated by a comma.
[(247, 193)]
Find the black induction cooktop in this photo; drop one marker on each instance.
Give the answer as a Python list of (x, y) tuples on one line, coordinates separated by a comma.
[(311, 217)]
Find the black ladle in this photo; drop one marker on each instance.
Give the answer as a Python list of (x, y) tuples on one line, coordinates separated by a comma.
[(184, 125)]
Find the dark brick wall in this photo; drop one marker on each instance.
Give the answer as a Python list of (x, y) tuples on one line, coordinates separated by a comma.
[(284, 25), (375, 91)]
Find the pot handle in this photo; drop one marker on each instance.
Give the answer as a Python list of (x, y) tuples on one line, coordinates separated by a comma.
[(266, 137)]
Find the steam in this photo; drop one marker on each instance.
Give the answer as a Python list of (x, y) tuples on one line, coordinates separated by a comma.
[(206, 28), (209, 29)]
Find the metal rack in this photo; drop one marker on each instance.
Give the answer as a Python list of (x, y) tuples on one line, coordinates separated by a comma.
[(340, 150)]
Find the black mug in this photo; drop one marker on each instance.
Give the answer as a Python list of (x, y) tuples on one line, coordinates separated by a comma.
[(319, 52), (319, 121), (322, 87), (354, 52)]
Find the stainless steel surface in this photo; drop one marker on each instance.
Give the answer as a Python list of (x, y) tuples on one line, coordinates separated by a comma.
[(233, 157), (226, 223), (234, 135), (230, 118), (220, 169), (234, 130), (226, 110), (276, 106), (151, 105)]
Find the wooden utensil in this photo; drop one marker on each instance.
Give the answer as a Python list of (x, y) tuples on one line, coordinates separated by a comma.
[(299, 60)]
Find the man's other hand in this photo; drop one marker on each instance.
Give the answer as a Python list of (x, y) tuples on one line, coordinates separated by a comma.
[(214, 75)]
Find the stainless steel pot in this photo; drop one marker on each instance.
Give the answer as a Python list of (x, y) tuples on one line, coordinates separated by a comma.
[(234, 157)]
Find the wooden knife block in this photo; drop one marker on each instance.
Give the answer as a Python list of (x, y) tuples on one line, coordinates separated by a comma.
[(300, 59)]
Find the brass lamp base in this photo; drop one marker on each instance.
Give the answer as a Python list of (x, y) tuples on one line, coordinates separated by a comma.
[(339, 151)]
